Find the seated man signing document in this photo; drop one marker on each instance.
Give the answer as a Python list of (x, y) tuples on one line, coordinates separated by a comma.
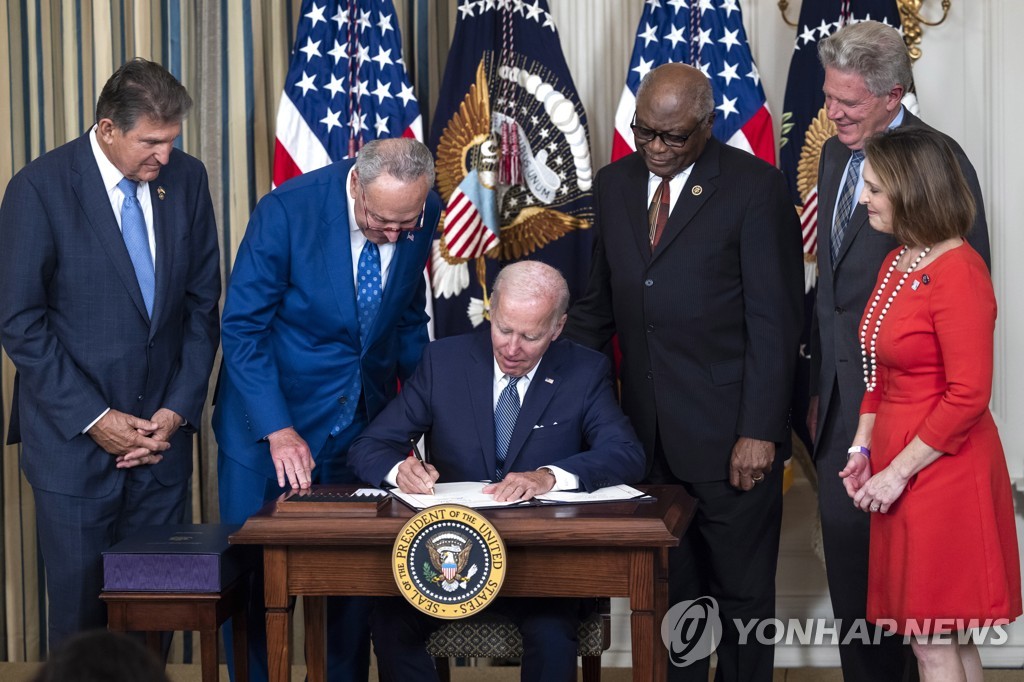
[(518, 407)]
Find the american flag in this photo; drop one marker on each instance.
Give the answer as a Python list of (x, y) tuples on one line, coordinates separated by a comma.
[(346, 85), (709, 35)]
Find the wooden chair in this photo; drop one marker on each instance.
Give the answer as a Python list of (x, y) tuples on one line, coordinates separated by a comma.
[(486, 636)]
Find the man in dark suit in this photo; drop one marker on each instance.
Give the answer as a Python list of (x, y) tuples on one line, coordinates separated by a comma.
[(867, 72), (697, 269), (324, 313), (568, 433), (109, 284)]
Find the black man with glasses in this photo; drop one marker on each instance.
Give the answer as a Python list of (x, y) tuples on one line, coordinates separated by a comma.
[(698, 270), (325, 313)]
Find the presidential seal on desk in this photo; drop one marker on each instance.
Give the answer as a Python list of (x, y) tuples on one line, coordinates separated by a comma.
[(449, 561)]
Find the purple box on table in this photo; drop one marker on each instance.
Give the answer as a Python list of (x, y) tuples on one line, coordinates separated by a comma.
[(180, 558)]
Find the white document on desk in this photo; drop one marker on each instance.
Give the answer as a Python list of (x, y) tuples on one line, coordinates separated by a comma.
[(466, 493), (614, 493), (470, 494)]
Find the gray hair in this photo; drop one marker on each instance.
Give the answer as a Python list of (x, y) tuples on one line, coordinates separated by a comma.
[(699, 94), (531, 279), (403, 158), (142, 89), (872, 50)]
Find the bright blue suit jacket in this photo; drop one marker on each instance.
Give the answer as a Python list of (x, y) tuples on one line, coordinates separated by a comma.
[(569, 418), (73, 320), (292, 354)]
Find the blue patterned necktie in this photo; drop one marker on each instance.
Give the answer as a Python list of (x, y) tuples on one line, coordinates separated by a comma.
[(846, 201), (505, 413), (133, 231), (369, 290)]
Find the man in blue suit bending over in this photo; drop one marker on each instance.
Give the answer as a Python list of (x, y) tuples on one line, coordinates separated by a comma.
[(517, 406), (109, 284), (324, 313)]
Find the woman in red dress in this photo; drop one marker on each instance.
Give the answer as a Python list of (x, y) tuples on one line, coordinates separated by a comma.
[(926, 461)]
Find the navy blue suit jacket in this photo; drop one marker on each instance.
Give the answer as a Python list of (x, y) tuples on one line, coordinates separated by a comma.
[(569, 418), (73, 320), (292, 353), (709, 323)]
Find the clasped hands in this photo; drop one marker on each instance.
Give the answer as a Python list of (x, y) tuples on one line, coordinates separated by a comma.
[(134, 441), (871, 493), (418, 478)]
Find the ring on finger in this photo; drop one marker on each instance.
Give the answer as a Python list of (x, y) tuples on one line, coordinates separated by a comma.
[(758, 478)]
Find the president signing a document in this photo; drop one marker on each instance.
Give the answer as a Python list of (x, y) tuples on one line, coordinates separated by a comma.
[(517, 406)]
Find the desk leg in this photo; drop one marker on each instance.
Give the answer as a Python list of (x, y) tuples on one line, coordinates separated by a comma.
[(316, 655), (642, 602), (208, 655), (660, 658), (275, 592)]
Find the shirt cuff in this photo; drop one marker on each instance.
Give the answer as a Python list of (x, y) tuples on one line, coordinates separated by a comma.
[(94, 421), (563, 479), (392, 478)]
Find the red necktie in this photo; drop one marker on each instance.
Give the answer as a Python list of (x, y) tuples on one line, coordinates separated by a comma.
[(658, 213)]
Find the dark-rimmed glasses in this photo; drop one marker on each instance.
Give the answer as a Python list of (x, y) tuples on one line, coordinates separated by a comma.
[(378, 224), (646, 135)]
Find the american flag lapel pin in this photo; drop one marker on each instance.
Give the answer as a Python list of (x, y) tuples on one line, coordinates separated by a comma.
[(915, 284), (549, 380)]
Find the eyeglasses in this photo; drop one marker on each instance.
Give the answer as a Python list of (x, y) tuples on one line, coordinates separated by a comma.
[(646, 135), (378, 224)]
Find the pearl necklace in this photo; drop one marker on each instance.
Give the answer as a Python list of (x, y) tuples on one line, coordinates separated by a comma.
[(867, 350)]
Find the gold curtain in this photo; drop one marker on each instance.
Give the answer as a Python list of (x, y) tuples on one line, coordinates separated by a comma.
[(232, 57)]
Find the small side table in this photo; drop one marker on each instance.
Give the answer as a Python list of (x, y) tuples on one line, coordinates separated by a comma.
[(156, 612)]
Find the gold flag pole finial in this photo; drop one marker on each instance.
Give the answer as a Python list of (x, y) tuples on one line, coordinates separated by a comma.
[(784, 7), (910, 16)]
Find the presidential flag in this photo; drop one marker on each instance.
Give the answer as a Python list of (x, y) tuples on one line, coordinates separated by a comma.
[(513, 159), (805, 127), (710, 36), (346, 85)]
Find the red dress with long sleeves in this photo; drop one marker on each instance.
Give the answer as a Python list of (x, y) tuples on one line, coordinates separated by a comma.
[(947, 548)]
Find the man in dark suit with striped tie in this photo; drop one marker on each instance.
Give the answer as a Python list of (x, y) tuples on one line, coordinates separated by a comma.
[(515, 404), (109, 284)]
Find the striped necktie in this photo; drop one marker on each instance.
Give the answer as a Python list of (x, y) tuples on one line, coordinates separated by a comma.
[(844, 209), (505, 413)]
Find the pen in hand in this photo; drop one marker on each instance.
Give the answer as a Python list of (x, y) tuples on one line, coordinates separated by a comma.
[(421, 459)]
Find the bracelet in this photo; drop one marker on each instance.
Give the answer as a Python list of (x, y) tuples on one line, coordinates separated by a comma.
[(858, 450)]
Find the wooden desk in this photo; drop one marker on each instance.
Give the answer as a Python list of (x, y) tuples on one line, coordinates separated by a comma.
[(599, 550)]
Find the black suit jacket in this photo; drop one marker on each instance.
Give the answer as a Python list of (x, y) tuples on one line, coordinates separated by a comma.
[(74, 323), (844, 288), (709, 323), (569, 418)]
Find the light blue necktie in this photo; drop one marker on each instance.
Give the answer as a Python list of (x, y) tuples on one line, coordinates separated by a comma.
[(846, 201), (368, 290), (133, 231), (505, 413)]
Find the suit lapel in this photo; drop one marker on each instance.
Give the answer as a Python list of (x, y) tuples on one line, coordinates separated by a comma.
[(336, 247), (92, 196), (167, 238), (698, 189), (480, 385), (634, 198), (538, 395)]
